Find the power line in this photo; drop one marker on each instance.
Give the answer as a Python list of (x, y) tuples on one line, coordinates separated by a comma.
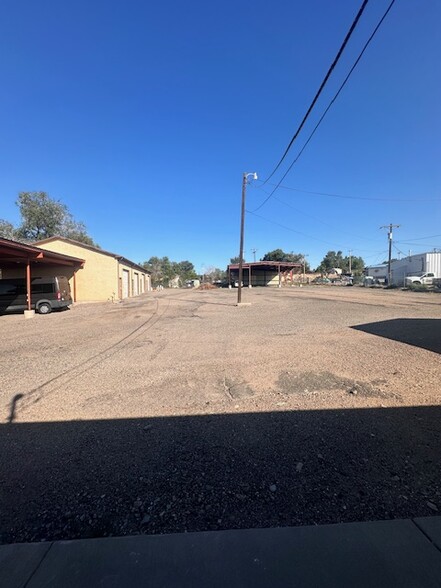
[(333, 195), (299, 232), (322, 85), (419, 244), (421, 238), (330, 104), (289, 228), (321, 221)]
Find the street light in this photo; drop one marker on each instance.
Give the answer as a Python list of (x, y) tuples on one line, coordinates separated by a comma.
[(242, 227)]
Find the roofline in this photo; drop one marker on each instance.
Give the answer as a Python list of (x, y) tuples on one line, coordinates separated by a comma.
[(38, 250), (265, 264), (120, 258)]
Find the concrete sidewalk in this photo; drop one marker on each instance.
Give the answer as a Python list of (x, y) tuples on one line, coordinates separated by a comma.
[(404, 553)]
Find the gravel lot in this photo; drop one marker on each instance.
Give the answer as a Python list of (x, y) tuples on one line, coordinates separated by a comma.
[(179, 411)]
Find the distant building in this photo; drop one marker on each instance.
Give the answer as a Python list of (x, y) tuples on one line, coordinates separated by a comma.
[(265, 273), (407, 266)]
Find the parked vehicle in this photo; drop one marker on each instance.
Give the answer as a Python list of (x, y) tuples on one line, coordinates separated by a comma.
[(47, 294), (425, 279)]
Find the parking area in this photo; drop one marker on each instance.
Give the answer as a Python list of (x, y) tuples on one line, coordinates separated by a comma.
[(179, 352), (179, 411)]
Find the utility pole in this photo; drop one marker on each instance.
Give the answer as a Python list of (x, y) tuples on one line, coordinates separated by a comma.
[(253, 251), (304, 256), (242, 230), (350, 261), (390, 228)]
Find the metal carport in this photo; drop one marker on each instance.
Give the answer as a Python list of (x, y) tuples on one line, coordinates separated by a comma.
[(15, 255)]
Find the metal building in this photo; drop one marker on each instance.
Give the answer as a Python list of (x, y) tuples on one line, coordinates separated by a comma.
[(407, 266)]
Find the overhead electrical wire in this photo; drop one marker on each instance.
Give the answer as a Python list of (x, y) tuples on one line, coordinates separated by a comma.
[(421, 238), (332, 195), (299, 232), (319, 220), (322, 85), (419, 244), (330, 104)]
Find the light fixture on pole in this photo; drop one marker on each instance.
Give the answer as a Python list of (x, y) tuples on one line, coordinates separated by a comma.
[(242, 228)]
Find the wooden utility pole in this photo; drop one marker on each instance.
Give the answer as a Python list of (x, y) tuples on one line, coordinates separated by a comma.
[(390, 228), (350, 261), (304, 256), (242, 230)]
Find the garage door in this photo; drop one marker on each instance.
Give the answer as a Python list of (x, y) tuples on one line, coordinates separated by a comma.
[(136, 285), (125, 284)]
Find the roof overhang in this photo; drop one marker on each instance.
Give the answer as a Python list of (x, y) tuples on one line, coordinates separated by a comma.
[(283, 266), (13, 253)]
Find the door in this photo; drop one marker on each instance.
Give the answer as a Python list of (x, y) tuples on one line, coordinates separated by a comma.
[(125, 284), (135, 285)]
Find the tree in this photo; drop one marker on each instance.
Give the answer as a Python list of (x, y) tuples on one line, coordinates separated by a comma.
[(163, 270), (7, 230), (154, 266), (332, 259), (357, 265), (335, 259), (214, 274), (280, 255), (235, 259), (42, 217), (185, 270)]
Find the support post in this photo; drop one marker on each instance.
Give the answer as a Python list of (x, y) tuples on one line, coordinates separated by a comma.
[(75, 285), (28, 284), (280, 278), (242, 228), (249, 276)]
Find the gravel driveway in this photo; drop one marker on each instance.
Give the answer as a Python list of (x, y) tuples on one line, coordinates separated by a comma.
[(179, 411)]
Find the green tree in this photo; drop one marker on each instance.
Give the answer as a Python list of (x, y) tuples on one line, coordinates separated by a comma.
[(235, 259), (154, 266), (43, 217), (185, 270), (335, 259), (280, 255), (163, 270), (7, 230), (357, 265), (331, 259)]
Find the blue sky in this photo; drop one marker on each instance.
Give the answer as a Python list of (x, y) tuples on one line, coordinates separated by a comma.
[(141, 117)]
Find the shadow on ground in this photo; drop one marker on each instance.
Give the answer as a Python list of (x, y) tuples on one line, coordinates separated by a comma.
[(162, 475), (425, 333)]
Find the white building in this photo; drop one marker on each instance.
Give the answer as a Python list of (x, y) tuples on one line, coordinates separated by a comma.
[(407, 266)]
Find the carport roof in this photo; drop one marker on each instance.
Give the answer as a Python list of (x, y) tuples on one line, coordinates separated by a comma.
[(12, 252), (267, 265)]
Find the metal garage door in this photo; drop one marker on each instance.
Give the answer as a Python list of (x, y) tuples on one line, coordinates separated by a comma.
[(125, 284), (136, 285)]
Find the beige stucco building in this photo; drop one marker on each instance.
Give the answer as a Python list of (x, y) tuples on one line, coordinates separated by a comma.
[(102, 276)]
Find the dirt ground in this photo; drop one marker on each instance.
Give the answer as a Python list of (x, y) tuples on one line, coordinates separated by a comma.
[(178, 411)]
